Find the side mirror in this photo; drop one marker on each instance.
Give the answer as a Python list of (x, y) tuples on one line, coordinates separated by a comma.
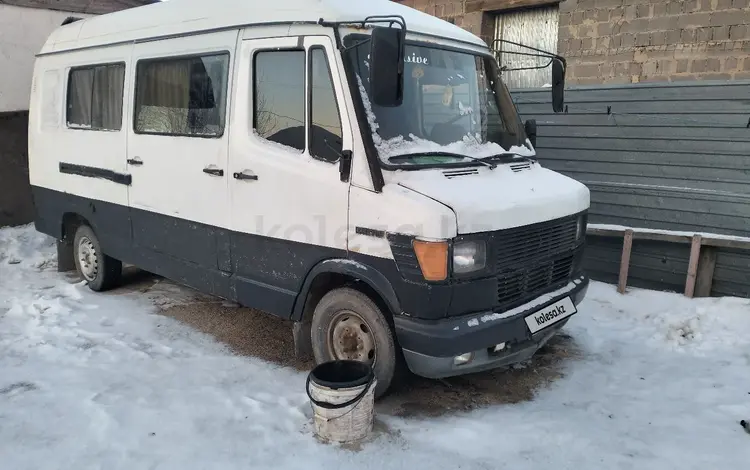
[(530, 128), (387, 66), (558, 85)]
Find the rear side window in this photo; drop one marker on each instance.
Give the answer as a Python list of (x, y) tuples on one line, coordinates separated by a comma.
[(279, 100), (183, 96), (95, 97)]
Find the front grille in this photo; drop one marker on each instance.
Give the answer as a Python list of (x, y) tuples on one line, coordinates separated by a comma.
[(535, 259), (524, 284), (523, 245)]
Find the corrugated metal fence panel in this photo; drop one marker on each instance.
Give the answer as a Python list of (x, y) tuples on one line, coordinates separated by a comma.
[(664, 156), (535, 27)]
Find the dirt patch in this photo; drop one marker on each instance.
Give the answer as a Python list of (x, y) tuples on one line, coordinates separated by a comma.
[(253, 333)]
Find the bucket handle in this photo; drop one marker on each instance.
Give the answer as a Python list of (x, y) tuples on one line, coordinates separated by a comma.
[(353, 401)]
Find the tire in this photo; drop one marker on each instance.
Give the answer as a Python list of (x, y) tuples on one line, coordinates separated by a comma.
[(349, 308), (101, 272)]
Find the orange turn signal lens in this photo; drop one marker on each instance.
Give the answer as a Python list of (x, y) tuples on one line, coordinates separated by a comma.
[(433, 259)]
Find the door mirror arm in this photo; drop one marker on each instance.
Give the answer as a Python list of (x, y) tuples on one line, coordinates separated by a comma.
[(530, 129), (345, 165)]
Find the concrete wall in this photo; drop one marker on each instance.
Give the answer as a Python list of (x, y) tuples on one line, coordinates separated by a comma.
[(23, 31), (15, 193), (668, 156), (630, 41)]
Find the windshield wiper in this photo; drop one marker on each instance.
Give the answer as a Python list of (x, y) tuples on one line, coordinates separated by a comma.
[(506, 156), (408, 156)]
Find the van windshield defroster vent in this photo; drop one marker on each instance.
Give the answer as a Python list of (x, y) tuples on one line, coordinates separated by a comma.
[(456, 173), (517, 167)]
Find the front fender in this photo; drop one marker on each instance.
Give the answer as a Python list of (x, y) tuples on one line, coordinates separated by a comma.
[(355, 269)]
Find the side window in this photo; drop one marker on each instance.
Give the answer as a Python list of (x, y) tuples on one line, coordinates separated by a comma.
[(95, 97), (325, 122), (279, 97), (183, 96)]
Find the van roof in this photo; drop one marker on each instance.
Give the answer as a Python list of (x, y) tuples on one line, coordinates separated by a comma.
[(175, 17)]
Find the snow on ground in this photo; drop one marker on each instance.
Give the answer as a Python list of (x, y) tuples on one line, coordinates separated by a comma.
[(94, 381)]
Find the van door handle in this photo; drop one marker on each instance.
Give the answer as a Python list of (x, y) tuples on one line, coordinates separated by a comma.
[(246, 175), (213, 171), (135, 161)]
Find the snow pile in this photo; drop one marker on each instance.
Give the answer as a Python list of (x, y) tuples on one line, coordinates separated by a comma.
[(100, 381), (673, 321)]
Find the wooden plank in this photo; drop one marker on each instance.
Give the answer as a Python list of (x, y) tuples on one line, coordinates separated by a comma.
[(670, 133), (695, 252), (602, 119), (682, 92), (627, 248), (725, 147), (653, 236), (706, 267), (499, 5), (707, 240), (727, 243)]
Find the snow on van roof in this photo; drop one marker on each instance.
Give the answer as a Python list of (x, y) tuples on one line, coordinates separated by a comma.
[(176, 17)]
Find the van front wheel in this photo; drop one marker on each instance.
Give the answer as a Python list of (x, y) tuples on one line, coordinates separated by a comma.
[(101, 272), (348, 325)]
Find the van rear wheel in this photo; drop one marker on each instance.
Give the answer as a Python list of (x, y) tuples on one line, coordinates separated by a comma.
[(101, 272), (348, 325)]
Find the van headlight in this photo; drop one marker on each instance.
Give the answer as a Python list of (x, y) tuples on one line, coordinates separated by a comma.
[(469, 256)]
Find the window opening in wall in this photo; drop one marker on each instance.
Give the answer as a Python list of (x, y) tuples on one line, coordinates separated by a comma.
[(94, 98), (183, 96), (279, 97), (325, 122), (535, 27)]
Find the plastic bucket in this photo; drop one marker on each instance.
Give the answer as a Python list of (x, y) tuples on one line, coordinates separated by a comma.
[(342, 396)]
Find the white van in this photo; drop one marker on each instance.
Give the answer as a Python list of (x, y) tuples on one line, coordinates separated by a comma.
[(355, 166)]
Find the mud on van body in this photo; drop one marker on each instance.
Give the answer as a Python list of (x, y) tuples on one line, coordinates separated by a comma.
[(355, 166)]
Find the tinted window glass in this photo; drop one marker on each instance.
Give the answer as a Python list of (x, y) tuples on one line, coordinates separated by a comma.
[(279, 100), (325, 122), (182, 96), (95, 97)]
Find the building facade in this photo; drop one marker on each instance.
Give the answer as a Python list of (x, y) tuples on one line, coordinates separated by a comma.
[(613, 41), (24, 27)]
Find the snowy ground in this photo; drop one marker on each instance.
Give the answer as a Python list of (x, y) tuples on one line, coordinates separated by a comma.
[(91, 381)]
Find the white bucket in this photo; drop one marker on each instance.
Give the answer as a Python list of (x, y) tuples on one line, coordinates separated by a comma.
[(342, 396)]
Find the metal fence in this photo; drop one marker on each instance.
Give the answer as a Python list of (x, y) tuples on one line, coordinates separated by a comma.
[(664, 156)]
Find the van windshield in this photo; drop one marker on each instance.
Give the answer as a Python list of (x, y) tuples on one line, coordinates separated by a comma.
[(455, 110)]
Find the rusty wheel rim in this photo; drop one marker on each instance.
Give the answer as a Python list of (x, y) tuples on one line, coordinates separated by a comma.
[(350, 338)]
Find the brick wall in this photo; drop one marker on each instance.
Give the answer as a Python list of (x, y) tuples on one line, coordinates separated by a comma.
[(629, 41), (454, 11)]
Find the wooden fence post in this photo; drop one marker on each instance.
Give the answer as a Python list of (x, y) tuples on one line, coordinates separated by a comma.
[(627, 247), (695, 252), (706, 267)]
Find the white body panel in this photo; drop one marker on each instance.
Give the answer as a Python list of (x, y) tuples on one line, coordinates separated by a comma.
[(295, 197), (171, 180), (52, 141), (501, 198), (179, 17)]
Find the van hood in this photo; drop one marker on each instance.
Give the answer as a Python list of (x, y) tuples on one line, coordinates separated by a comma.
[(511, 195)]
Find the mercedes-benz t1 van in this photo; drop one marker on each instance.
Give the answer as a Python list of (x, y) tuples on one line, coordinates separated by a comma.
[(355, 166)]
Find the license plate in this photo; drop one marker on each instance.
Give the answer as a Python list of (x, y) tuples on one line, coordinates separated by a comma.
[(551, 314)]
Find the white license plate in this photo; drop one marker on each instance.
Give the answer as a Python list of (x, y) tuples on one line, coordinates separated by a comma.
[(551, 314)]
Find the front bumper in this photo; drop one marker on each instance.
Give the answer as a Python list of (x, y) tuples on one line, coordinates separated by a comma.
[(430, 347)]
